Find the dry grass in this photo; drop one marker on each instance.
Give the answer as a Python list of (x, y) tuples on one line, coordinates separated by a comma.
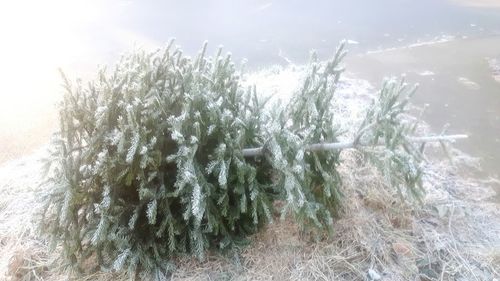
[(454, 234)]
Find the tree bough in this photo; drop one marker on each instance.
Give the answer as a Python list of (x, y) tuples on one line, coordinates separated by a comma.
[(152, 161)]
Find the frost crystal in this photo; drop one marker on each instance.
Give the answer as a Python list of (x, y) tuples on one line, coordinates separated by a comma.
[(150, 161)]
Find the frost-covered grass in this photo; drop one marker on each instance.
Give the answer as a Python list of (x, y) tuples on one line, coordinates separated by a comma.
[(453, 234)]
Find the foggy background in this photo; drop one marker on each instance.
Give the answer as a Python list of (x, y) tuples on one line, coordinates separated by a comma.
[(38, 37)]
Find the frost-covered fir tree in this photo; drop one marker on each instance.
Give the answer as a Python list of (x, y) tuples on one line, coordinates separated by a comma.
[(167, 155)]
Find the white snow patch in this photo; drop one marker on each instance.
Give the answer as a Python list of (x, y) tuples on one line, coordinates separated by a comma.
[(352, 42), (436, 40), (468, 83), (277, 81), (352, 95), (426, 73)]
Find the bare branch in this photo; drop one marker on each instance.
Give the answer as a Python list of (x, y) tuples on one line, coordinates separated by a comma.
[(249, 152)]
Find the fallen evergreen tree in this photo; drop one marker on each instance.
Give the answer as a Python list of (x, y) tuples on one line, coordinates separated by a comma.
[(169, 155)]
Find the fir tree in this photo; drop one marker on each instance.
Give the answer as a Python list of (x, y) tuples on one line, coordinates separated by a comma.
[(168, 155)]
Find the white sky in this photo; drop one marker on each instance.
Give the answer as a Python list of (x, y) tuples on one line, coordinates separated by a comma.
[(39, 37)]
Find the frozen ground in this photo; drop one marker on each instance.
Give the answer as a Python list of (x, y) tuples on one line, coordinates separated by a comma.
[(453, 235)]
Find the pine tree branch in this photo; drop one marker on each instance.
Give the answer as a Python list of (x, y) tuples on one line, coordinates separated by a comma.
[(249, 152)]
